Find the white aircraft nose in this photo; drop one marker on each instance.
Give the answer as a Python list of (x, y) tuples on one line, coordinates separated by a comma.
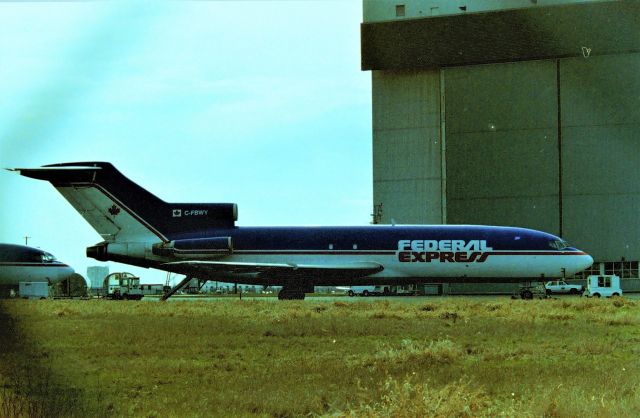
[(586, 261), (65, 273)]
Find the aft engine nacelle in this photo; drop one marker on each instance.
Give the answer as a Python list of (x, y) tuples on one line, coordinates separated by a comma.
[(189, 248), (126, 252)]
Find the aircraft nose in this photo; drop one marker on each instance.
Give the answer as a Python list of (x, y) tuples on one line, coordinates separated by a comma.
[(66, 272), (586, 262)]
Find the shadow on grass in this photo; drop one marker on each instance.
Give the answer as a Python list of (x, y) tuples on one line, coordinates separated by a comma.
[(28, 385)]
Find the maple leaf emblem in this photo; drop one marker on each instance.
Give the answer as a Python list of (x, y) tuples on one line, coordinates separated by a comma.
[(114, 210)]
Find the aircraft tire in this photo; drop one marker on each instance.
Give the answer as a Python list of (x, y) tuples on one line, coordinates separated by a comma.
[(290, 295)]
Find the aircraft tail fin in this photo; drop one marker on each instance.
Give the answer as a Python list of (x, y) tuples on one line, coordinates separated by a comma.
[(120, 210)]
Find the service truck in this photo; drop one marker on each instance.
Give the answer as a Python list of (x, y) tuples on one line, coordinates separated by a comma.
[(122, 286), (607, 286)]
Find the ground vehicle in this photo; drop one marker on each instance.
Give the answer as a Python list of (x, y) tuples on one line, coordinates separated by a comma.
[(607, 286), (532, 290), (369, 290), (34, 290), (122, 286), (560, 286)]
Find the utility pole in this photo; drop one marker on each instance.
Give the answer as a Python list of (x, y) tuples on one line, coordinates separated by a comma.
[(26, 240)]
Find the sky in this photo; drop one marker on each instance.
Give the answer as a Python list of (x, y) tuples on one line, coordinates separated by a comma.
[(259, 103)]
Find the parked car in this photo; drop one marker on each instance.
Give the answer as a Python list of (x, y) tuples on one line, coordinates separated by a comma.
[(560, 286)]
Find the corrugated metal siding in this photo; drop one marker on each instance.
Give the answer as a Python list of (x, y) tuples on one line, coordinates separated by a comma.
[(502, 147), (406, 146), (601, 154), (503, 36)]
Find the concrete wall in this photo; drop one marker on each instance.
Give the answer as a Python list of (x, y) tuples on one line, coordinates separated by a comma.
[(502, 145), (406, 146)]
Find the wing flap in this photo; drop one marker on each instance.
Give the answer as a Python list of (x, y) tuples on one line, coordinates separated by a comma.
[(214, 270)]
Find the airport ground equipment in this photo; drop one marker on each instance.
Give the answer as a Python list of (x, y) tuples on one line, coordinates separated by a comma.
[(381, 290), (562, 287), (33, 290), (122, 286), (607, 286), (531, 290)]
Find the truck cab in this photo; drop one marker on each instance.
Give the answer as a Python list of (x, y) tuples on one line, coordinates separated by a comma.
[(122, 286), (607, 286)]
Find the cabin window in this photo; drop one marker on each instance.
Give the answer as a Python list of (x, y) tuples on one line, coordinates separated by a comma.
[(400, 10), (48, 258)]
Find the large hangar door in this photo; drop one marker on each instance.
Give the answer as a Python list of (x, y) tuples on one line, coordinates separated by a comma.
[(501, 124), (406, 146), (601, 154)]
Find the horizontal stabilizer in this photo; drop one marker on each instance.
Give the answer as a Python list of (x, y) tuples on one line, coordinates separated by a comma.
[(120, 210)]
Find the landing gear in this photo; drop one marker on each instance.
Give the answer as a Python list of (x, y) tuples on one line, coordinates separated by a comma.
[(173, 290), (295, 290), (290, 294)]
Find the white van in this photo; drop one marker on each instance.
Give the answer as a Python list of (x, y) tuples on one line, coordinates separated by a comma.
[(606, 286), (368, 290)]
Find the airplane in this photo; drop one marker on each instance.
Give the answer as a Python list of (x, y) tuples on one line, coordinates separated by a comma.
[(201, 240), (20, 263)]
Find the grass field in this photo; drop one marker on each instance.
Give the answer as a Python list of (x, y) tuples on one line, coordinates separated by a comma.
[(436, 357)]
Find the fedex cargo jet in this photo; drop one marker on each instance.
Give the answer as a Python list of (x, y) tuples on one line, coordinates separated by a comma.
[(201, 240)]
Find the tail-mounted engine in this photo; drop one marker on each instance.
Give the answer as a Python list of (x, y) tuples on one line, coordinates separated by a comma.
[(189, 248)]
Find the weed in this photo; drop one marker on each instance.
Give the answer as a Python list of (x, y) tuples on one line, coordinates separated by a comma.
[(447, 357)]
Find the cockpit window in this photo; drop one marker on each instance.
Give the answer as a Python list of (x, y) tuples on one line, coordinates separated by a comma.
[(558, 244), (48, 258)]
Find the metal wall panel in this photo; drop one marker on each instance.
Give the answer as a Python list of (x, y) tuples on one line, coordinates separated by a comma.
[(502, 145), (382, 10), (406, 146), (601, 154), (534, 33)]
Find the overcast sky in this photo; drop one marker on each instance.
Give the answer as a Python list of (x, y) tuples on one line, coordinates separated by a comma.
[(261, 103)]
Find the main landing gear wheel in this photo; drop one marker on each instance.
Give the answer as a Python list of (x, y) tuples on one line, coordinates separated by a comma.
[(288, 294)]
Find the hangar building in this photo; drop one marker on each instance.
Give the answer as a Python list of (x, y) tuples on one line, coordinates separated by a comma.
[(510, 112)]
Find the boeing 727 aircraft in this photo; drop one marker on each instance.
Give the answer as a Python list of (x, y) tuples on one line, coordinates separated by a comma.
[(201, 241)]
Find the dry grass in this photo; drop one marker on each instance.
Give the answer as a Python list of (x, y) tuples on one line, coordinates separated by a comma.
[(430, 357)]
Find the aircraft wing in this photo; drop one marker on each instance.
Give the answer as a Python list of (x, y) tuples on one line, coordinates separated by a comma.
[(220, 270)]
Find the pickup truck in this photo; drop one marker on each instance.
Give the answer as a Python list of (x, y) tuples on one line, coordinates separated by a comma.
[(560, 286)]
